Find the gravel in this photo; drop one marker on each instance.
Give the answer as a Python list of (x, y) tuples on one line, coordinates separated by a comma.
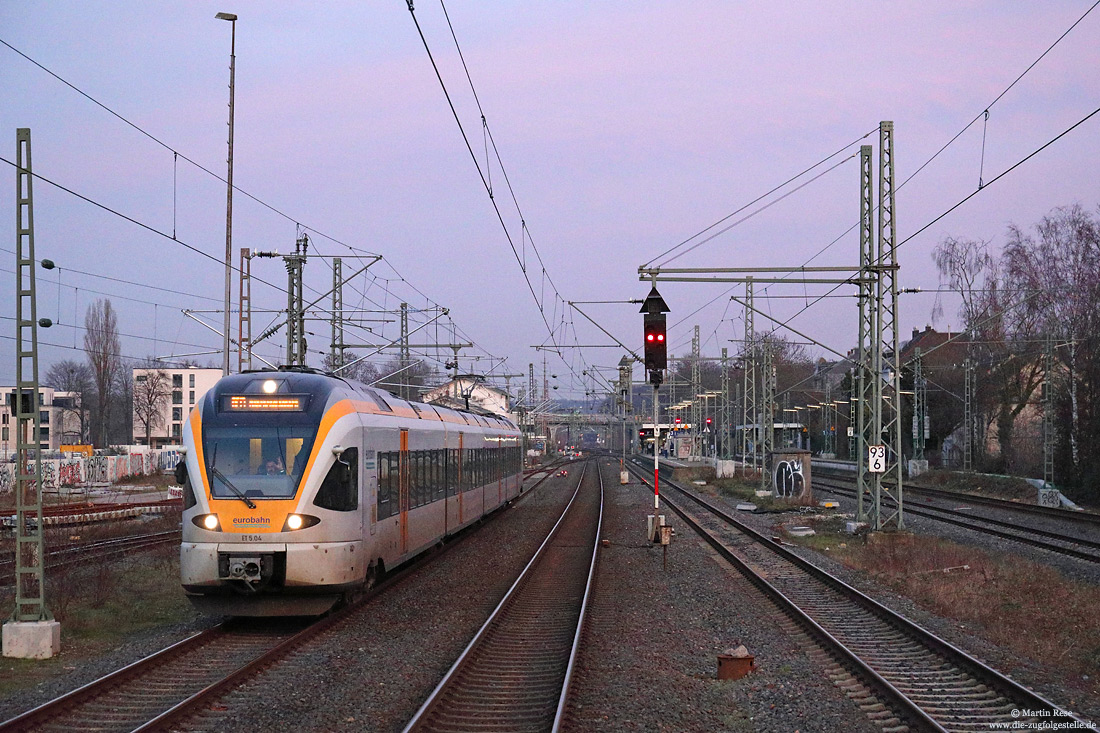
[(649, 654), (376, 669), (1082, 696), (77, 673), (649, 658)]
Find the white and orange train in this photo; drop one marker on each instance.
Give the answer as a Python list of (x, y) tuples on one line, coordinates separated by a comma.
[(301, 487)]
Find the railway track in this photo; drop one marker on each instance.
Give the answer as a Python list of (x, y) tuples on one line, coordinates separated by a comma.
[(514, 675), (168, 688), (925, 682), (138, 697), (1073, 546), (1034, 510), (90, 551)]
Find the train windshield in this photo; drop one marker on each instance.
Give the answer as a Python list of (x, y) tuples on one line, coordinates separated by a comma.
[(256, 462)]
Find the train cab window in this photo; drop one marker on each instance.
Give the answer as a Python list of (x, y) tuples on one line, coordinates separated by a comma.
[(258, 462), (340, 489)]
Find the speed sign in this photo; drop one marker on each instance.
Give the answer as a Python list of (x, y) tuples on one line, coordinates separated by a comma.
[(876, 458)]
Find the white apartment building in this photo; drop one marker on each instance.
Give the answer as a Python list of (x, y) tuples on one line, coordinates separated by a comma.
[(183, 390), (481, 396), (59, 413)]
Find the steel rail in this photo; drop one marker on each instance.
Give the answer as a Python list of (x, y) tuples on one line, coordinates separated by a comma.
[(49, 710), (1005, 686), (190, 706), (848, 658), (52, 710), (560, 714), (930, 513), (423, 718), (1083, 517), (71, 554)]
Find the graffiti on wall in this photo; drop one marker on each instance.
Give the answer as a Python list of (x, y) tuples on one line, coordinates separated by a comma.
[(69, 472), (49, 474), (168, 459), (788, 479), (81, 471)]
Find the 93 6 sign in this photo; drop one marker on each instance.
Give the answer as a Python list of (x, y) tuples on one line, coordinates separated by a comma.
[(876, 458)]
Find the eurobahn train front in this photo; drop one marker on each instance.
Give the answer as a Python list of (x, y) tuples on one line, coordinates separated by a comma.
[(272, 524)]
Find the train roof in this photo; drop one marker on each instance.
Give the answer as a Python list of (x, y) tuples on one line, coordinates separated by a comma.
[(307, 379)]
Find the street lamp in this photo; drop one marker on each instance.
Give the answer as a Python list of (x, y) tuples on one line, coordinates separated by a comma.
[(229, 189)]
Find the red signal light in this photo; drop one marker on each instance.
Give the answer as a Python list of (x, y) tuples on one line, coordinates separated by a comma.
[(649, 337)]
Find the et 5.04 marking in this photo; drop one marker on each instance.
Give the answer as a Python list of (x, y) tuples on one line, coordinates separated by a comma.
[(251, 538)]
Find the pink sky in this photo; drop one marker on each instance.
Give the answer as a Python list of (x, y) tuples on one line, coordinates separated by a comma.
[(624, 128)]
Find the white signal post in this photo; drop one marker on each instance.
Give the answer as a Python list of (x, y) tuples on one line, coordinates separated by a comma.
[(657, 440)]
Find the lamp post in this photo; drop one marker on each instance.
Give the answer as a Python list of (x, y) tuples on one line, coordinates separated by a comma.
[(229, 190)]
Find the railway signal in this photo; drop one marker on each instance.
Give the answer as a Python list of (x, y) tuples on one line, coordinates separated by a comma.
[(654, 309), (655, 342), (656, 349)]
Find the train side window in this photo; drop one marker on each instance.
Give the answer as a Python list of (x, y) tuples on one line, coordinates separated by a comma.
[(184, 480), (450, 471), (421, 461), (340, 489), (414, 479), (439, 474), (424, 488), (468, 469), (425, 477), (386, 474)]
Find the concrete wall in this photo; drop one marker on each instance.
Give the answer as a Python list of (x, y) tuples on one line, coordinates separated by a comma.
[(95, 470)]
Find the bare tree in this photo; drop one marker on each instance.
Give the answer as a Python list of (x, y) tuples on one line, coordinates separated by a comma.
[(101, 344), (1060, 265), (362, 371), (1001, 322), (76, 377), (152, 389)]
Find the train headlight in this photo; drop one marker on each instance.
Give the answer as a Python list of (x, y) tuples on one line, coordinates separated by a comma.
[(299, 521), (207, 521)]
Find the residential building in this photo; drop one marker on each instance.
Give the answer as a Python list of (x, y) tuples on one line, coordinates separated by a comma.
[(471, 392), (173, 401), (59, 413)]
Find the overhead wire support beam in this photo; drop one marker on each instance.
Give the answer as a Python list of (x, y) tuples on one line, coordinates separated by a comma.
[(393, 343), (647, 273), (618, 343), (854, 280)]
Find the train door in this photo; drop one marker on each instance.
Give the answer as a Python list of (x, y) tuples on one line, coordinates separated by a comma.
[(403, 489)]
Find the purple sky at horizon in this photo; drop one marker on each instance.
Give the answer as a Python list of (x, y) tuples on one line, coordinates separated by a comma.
[(624, 129)]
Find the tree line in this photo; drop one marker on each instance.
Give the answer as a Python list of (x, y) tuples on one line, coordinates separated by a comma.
[(1040, 292)]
